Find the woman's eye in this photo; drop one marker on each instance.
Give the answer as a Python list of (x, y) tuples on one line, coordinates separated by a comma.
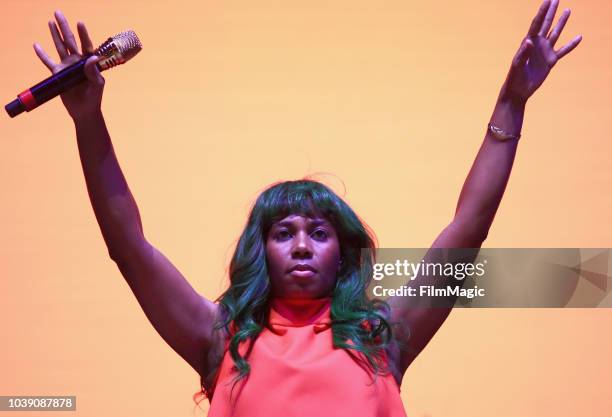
[(282, 235), (320, 234)]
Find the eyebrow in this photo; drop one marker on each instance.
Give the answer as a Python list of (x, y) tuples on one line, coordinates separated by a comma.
[(311, 222)]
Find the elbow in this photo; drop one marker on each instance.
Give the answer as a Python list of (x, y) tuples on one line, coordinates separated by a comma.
[(113, 254), (117, 256), (127, 253), (125, 244), (480, 240), (474, 240), (480, 234), (473, 232)]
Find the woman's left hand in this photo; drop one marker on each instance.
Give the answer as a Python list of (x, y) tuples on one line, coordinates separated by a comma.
[(536, 56)]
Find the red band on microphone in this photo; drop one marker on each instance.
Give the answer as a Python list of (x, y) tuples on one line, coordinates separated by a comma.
[(28, 100)]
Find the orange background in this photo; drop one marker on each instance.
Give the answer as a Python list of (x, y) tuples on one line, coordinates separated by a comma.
[(391, 97)]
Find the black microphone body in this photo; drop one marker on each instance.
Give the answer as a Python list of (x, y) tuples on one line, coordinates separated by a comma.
[(114, 51), (51, 87)]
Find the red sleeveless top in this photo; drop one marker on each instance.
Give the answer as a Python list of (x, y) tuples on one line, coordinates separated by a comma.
[(296, 372)]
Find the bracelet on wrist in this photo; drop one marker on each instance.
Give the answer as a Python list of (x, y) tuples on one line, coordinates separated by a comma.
[(501, 135)]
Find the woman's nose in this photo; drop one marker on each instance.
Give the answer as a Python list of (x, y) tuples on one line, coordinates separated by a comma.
[(301, 247)]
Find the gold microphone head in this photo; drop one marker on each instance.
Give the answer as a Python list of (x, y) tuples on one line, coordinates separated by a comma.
[(118, 49)]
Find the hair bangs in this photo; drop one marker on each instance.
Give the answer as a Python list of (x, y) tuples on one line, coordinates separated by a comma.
[(304, 198)]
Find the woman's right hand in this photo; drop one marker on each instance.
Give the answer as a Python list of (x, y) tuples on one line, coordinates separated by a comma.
[(85, 98)]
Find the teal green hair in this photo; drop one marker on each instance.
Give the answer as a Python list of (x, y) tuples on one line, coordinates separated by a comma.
[(355, 318)]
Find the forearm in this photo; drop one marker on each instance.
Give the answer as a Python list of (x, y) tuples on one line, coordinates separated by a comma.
[(485, 185), (113, 204)]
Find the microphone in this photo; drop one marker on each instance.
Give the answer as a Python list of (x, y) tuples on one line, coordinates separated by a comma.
[(115, 51)]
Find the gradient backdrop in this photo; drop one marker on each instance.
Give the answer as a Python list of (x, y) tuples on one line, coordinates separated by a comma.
[(391, 98)]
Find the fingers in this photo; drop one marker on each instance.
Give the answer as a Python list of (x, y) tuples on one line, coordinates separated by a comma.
[(86, 44), (556, 32), (44, 57), (92, 72), (57, 40), (569, 47), (550, 16), (536, 23), (520, 59), (69, 40)]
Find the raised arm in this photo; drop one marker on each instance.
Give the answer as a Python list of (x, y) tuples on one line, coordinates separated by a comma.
[(484, 187), (181, 316)]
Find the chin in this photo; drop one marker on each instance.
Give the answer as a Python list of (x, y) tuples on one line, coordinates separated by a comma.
[(304, 293)]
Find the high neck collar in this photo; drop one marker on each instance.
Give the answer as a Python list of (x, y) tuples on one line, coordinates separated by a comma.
[(298, 313)]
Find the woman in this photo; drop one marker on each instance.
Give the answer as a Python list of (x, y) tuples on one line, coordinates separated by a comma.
[(295, 334)]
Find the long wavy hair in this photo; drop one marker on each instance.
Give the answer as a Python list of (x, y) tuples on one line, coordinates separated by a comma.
[(358, 323)]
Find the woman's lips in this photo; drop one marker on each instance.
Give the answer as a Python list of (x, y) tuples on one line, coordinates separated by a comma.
[(302, 271), (306, 273)]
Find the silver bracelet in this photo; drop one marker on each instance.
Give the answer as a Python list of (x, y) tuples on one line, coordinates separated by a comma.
[(500, 135)]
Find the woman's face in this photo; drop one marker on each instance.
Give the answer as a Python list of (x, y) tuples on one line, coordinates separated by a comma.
[(303, 256)]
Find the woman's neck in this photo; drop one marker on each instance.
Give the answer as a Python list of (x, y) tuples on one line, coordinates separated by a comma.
[(301, 311)]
